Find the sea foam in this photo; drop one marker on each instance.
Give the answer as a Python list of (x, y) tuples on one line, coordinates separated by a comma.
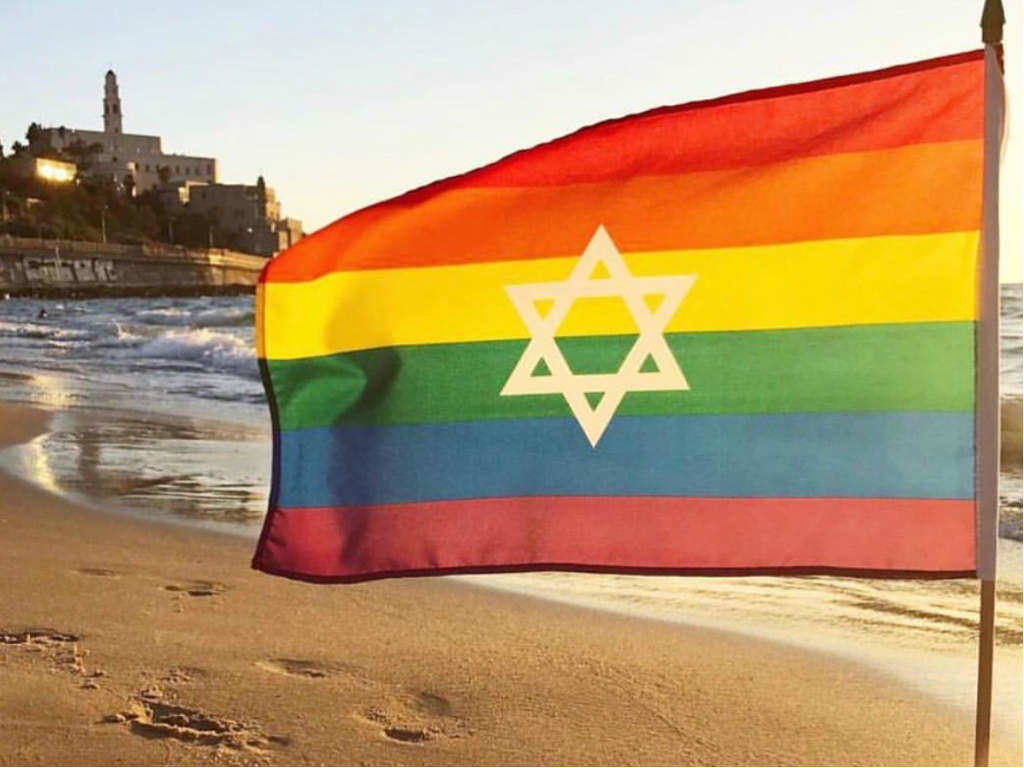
[(213, 350)]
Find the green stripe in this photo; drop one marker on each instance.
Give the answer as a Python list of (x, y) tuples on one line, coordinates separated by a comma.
[(911, 366)]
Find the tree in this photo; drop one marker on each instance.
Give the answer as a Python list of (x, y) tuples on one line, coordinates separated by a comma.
[(83, 154), (33, 134)]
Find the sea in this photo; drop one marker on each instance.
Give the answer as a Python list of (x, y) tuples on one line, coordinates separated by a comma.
[(160, 413)]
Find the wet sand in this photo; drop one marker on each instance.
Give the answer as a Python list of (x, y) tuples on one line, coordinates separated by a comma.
[(132, 642)]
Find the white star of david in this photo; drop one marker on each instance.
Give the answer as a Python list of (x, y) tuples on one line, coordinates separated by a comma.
[(650, 342)]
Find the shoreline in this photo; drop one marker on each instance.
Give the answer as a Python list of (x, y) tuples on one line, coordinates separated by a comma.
[(104, 291), (185, 634)]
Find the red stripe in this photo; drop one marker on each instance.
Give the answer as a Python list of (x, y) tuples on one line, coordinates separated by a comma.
[(828, 117), (884, 537)]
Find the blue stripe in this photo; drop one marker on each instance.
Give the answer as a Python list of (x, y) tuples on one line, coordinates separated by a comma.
[(885, 454)]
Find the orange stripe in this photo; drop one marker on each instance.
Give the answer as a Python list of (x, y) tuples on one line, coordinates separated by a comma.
[(917, 189)]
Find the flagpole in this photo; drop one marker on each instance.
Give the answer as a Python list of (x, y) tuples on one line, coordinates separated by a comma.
[(992, 20)]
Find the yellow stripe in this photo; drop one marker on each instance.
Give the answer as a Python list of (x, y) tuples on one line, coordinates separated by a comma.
[(905, 279)]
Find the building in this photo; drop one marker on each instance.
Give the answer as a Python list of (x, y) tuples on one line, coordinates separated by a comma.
[(251, 213), (28, 166), (120, 155), (247, 216)]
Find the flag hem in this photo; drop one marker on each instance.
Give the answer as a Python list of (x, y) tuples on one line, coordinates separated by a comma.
[(275, 417), (864, 573)]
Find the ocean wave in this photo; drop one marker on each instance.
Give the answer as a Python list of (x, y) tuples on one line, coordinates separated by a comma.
[(1011, 526), (30, 330), (214, 351), (226, 317), (203, 318), (161, 315), (133, 334)]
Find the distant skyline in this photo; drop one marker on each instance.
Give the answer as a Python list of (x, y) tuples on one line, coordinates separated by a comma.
[(344, 104)]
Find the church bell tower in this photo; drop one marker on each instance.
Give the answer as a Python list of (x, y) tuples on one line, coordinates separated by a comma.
[(111, 104)]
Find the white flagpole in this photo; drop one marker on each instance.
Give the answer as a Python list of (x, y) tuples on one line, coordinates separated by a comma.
[(987, 413)]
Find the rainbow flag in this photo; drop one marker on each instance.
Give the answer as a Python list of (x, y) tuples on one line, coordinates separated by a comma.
[(733, 336)]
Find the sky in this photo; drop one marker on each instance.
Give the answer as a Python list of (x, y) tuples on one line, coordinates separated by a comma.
[(341, 104)]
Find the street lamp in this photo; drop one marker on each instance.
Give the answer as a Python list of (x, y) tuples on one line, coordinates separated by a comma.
[(103, 223)]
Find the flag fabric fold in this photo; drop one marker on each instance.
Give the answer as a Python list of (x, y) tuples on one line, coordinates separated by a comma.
[(734, 336)]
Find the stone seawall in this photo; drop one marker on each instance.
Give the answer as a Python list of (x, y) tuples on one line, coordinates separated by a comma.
[(52, 268)]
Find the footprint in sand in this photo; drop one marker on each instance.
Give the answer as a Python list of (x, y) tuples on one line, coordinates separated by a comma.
[(350, 675), (404, 716), (61, 647), (182, 675), (98, 572), (408, 735), (296, 668), (197, 588), (153, 718), (39, 636), (415, 718)]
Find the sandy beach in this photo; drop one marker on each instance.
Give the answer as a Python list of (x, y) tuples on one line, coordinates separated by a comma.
[(134, 642)]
